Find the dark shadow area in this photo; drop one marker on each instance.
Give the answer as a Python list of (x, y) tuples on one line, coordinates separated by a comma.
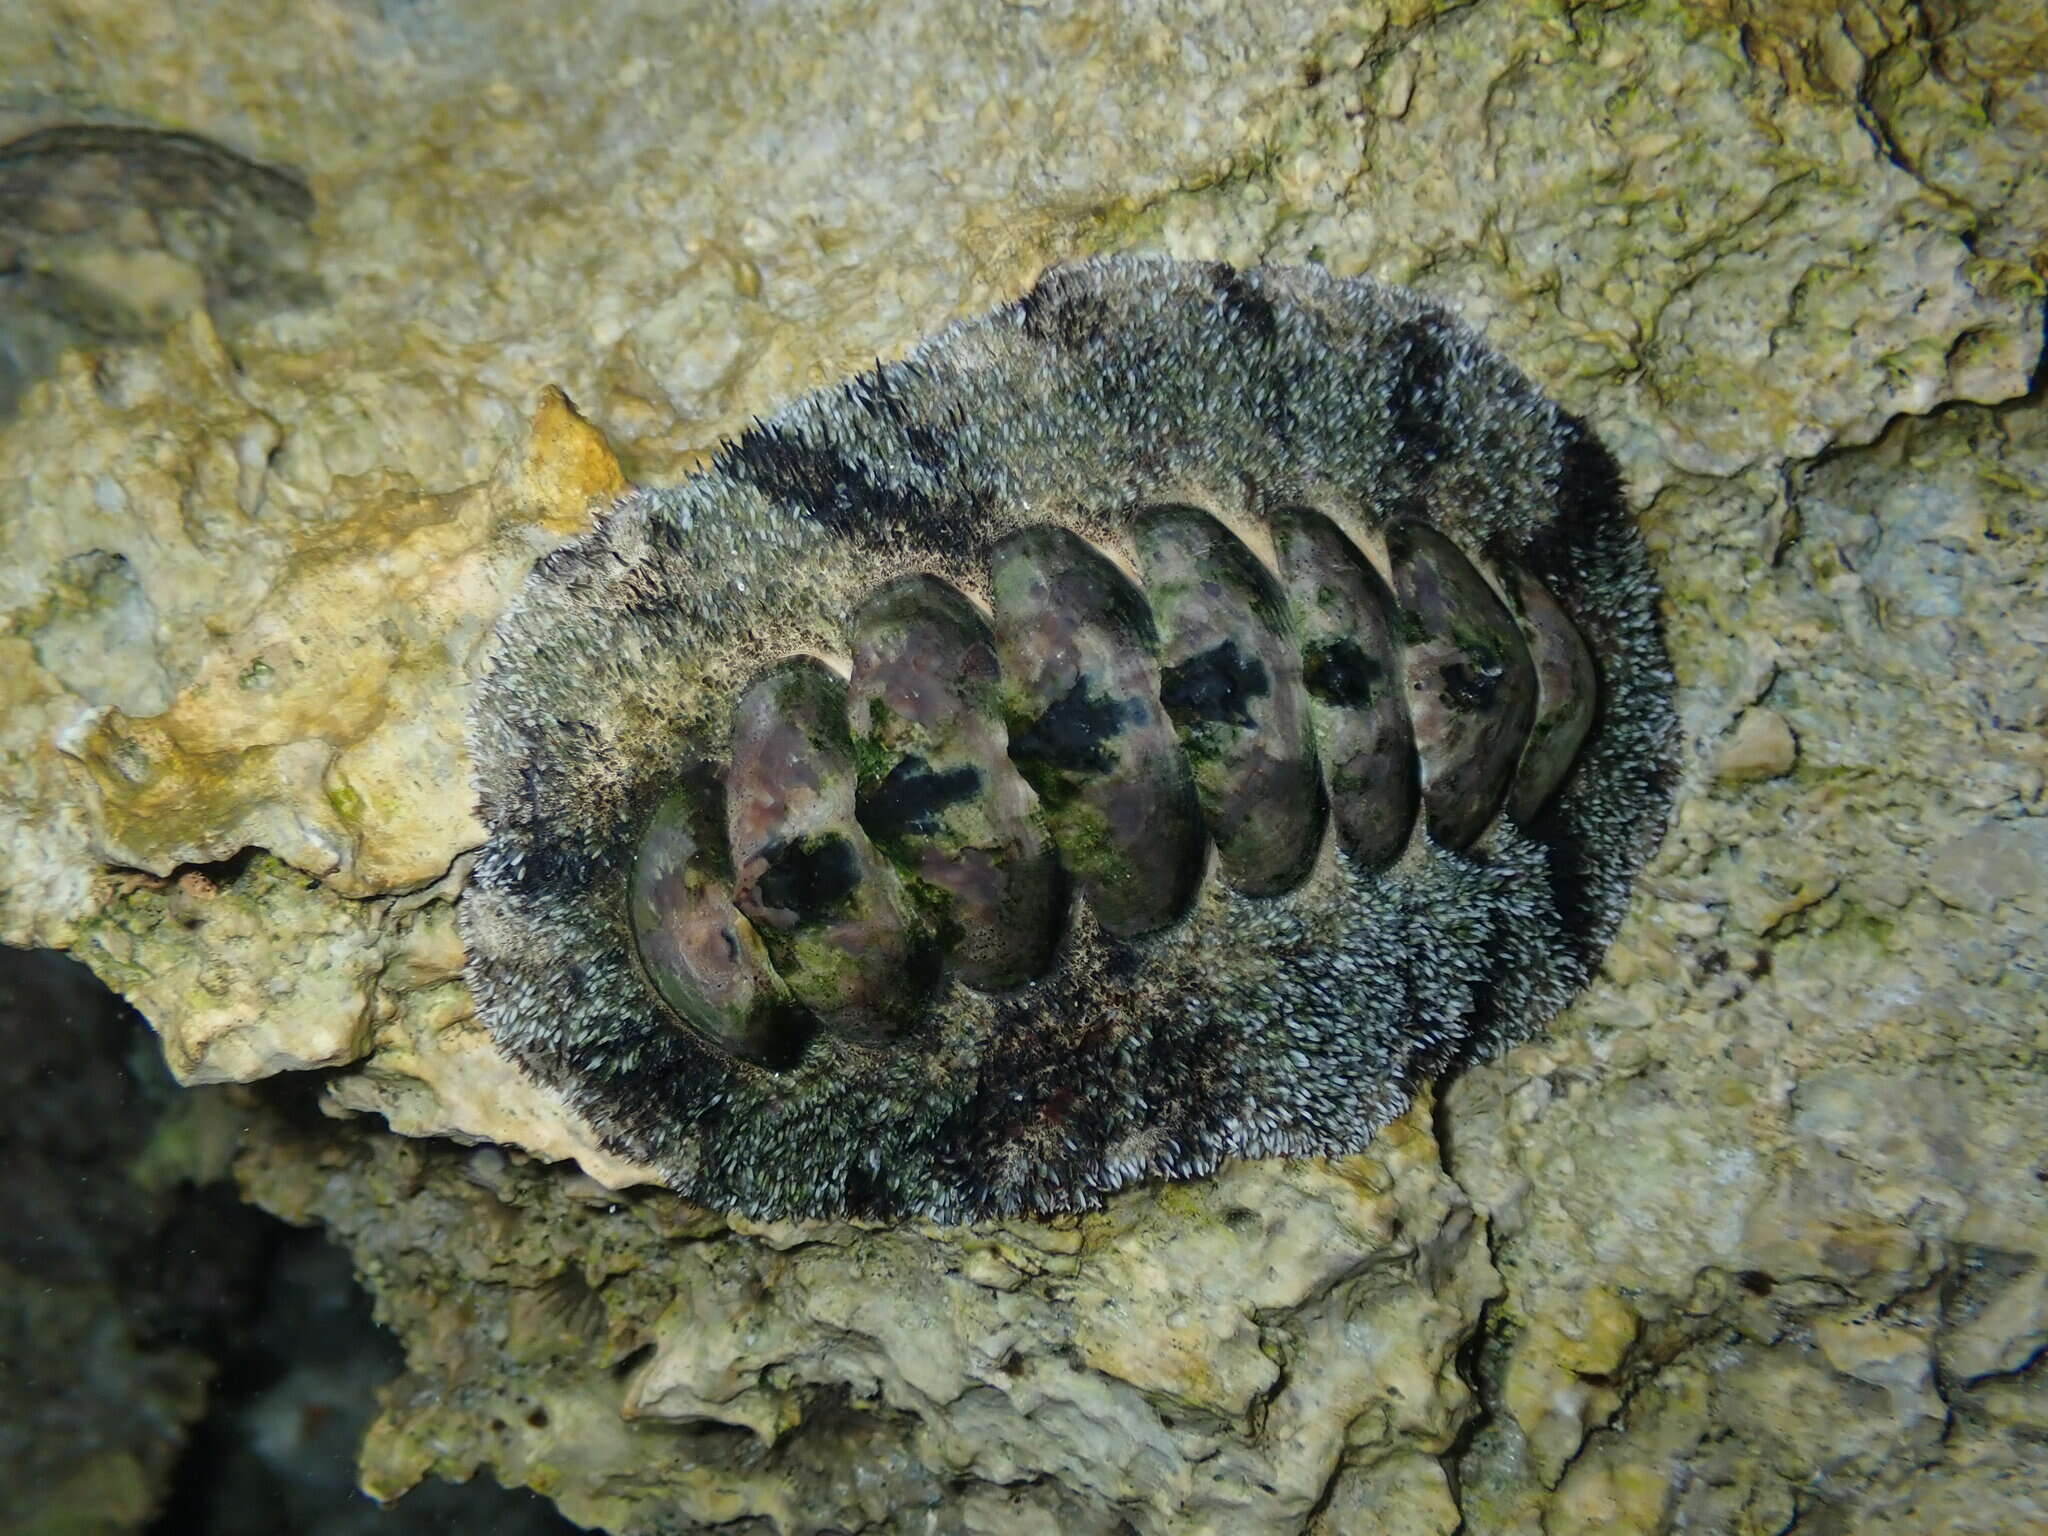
[(177, 1361)]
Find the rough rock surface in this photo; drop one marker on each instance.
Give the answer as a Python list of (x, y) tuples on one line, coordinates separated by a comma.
[(1752, 1242)]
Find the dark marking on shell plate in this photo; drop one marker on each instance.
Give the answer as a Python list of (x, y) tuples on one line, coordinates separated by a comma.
[(1233, 668), (1197, 559), (910, 797), (1215, 686), (1341, 674), (1079, 653), (811, 878), (1471, 684), (1073, 732), (940, 793), (837, 923), (1351, 665)]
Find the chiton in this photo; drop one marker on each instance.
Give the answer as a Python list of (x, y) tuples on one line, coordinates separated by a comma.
[(1165, 719)]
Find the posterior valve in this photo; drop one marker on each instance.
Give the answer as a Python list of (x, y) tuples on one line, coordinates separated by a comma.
[(939, 810)]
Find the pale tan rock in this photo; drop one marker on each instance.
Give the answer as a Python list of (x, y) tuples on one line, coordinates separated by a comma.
[(1898, 1359), (459, 1086), (306, 732), (309, 730), (1564, 1379), (1400, 1496), (706, 1371), (45, 835), (2004, 1331), (2000, 861), (251, 977), (1761, 746), (1029, 1378)]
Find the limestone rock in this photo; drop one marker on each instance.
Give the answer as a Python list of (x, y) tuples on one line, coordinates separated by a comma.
[(1760, 747), (1129, 1364)]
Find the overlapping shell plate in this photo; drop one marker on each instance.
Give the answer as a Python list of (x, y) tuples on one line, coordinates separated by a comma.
[(1164, 719)]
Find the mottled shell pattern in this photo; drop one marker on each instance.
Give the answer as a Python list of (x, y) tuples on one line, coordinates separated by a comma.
[(1165, 719)]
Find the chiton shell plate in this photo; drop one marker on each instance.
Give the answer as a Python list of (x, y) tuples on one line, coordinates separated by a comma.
[(1164, 719)]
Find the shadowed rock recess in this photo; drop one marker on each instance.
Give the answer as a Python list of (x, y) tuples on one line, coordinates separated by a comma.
[(1748, 1238)]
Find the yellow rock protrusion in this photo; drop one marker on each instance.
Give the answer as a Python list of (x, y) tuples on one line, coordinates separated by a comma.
[(566, 468)]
